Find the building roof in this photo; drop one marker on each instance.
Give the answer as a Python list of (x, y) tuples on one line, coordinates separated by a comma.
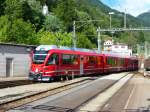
[(19, 45)]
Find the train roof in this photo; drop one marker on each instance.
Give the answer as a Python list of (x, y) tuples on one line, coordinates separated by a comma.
[(63, 49), (54, 47), (120, 56)]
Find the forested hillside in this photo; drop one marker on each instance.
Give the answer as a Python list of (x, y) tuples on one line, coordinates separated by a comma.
[(22, 22), (145, 17)]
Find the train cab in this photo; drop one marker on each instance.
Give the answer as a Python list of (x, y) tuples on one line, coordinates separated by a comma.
[(43, 63)]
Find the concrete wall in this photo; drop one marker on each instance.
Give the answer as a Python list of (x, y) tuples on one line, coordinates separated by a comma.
[(20, 60)]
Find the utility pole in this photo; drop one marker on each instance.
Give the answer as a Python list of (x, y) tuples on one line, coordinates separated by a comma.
[(74, 34), (110, 21), (110, 14), (138, 50), (125, 19), (146, 50), (99, 40)]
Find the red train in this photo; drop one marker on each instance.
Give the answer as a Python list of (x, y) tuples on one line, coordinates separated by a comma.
[(49, 62)]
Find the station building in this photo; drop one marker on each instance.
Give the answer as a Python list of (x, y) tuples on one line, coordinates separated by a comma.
[(14, 60)]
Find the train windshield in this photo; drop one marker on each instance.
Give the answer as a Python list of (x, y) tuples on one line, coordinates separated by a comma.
[(39, 57)]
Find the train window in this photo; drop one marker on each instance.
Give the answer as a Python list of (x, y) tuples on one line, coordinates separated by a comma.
[(69, 59), (109, 60), (74, 59), (121, 62), (39, 57), (99, 60), (53, 59), (114, 62), (92, 60)]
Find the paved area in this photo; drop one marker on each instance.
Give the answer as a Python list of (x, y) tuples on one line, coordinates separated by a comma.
[(96, 103), (12, 79), (133, 97), (68, 100)]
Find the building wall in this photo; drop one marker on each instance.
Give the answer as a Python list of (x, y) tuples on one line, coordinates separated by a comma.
[(20, 60)]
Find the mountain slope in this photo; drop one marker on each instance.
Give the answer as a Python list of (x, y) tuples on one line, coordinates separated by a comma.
[(145, 17), (101, 11)]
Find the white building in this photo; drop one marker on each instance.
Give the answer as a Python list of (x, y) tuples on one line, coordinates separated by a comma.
[(108, 45), (45, 10), (117, 49)]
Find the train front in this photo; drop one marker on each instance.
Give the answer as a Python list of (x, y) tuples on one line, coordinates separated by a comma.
[(39, 56)]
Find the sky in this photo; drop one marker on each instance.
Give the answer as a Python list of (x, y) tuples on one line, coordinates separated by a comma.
[(133, 7)]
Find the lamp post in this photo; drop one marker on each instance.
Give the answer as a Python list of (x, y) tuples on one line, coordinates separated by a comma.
[(110, 14), (125, 19), (99, 40), (74, 34)]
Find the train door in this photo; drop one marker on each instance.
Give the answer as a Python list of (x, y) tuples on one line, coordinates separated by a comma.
[(81, 65)]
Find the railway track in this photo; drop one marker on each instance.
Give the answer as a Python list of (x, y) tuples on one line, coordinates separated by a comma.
[(7, 84), (73, 107), (27, 99)]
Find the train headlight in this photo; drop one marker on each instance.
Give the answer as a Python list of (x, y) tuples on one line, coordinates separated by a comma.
[(36, 70)]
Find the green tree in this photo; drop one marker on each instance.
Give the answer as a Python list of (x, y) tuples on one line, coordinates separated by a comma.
[(58, 38), (30, 11), (4, 28), (17, 31), (130, 39), (2, 5), (22, 32), (53, 24), (85, 26), (84, 42), (65, 10), (141, 37), (14, 8)]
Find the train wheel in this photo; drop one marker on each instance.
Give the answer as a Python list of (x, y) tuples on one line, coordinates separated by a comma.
[(58, 78), (62, 78), (70, 77)]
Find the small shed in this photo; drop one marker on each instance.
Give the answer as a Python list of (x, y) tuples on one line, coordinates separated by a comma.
[(15, 60)]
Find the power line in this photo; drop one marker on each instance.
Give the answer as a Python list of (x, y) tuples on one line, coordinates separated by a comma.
[(99, 30), (124, 29)]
